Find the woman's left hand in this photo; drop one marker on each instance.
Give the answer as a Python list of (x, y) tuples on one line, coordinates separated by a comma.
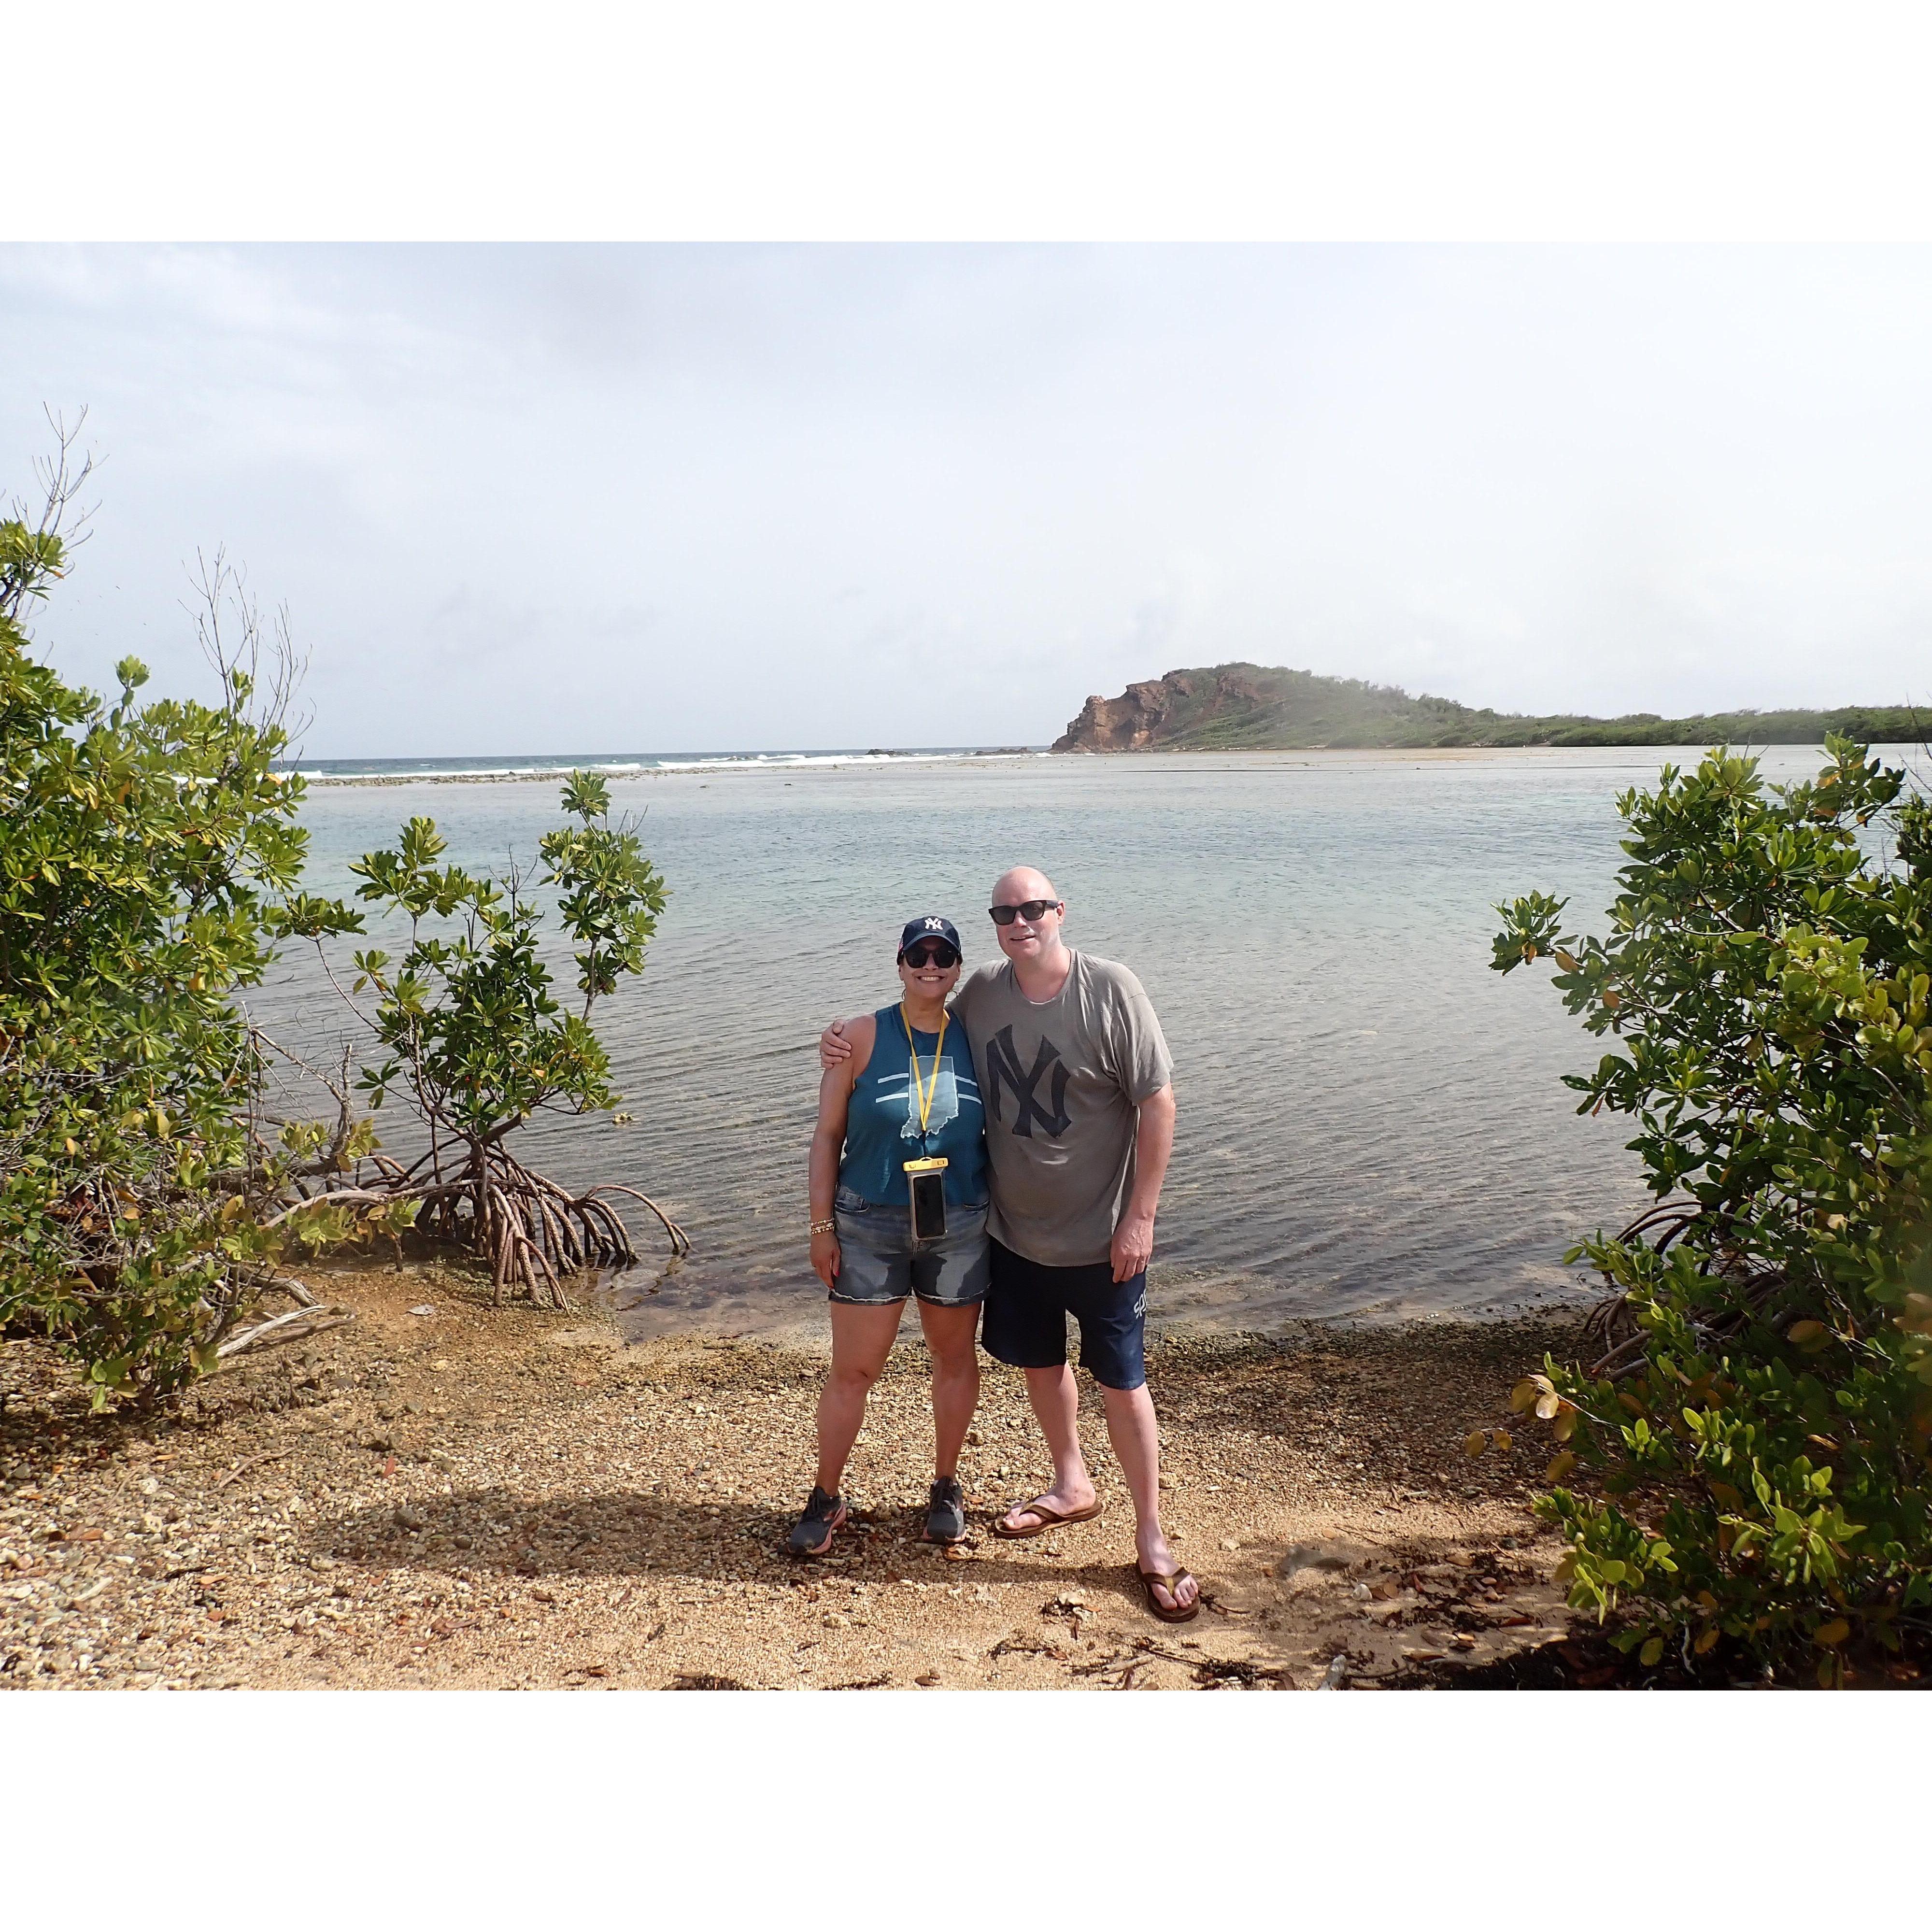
[(825, 1259)]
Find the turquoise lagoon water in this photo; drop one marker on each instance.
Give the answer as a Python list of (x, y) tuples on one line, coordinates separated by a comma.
[(1371, 1124)]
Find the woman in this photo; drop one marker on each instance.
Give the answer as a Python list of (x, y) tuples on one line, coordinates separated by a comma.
[(906, 1095)]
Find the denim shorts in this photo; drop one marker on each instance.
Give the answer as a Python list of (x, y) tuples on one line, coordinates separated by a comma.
[(1026, 1318), (879, 1262)]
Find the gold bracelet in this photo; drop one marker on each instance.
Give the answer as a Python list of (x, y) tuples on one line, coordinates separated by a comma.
[(825, 1227)]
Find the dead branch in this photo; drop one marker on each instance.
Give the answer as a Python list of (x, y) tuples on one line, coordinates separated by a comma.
[(62, 480), (248, 1463), (295, 1326)]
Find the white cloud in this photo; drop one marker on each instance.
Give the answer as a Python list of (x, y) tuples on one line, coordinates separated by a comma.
[(640, 499)]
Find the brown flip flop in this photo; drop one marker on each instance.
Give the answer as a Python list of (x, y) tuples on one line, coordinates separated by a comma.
[(1171, 1581), (1050, 1518)]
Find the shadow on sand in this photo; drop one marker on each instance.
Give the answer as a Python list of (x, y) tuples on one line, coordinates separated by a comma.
[(612, 1535)]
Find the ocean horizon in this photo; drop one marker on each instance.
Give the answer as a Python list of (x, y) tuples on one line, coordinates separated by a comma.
[(535, 765), (483, 769)]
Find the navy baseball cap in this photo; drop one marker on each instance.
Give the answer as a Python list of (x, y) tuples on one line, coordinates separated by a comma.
[(930, 927)]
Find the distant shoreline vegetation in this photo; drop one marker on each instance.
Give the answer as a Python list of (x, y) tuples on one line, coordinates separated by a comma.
[(1257, 707)]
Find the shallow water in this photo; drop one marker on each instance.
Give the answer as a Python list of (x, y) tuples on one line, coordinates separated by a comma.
[(1370, 1119)]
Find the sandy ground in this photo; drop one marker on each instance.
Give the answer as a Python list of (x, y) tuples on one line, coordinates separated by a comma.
[(473, 1498)]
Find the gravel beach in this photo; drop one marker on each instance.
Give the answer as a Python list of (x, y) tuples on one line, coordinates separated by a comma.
[(445, 1494)]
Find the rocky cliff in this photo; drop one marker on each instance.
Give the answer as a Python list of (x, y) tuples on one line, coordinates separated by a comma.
[(1146, 714), (1220, 704)]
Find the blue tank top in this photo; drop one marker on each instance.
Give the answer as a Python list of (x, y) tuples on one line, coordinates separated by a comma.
[(882, 1123)]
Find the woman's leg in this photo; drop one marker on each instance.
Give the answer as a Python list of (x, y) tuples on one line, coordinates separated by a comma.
[(862, 1339), (952, 1335)]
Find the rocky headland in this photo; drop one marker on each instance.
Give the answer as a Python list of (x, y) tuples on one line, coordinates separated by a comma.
[(1259, 707)]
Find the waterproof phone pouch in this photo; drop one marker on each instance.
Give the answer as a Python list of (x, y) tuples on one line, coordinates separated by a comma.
[(928, 1187)]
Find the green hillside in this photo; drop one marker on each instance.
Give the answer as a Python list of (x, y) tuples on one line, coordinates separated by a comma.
[(1257, 707)]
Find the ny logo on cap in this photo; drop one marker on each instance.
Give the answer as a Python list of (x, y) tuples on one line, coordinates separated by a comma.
[(935, 926)]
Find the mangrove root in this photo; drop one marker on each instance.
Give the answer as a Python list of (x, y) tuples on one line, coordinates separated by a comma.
[(532, 1232), (1752, 1292)]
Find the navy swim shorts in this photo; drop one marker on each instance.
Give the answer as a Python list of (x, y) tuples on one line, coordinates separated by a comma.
[(1028, 1304)]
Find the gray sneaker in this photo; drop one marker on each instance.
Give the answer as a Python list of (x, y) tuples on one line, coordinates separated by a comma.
[(946, 1512), (811, 1535)]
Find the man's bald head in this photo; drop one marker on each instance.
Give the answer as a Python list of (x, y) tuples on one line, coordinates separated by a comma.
[(1015, 886)]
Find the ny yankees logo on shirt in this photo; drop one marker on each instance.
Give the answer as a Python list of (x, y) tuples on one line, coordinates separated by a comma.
[(1003, 1069)]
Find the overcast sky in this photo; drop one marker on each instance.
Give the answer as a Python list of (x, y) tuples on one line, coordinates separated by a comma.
[(643, 499)]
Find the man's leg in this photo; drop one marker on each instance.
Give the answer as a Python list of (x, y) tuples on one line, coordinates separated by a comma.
[(1136, 1435), (862, 1339), (1113, 1348), (1056, 1404), (1026, 1328), (952, 1336)]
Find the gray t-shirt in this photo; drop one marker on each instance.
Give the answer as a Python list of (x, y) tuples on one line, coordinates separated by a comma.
[(1061, 1083)]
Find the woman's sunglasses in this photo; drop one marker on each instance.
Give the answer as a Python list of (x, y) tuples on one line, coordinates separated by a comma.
[(1030, 911), (932, 954)]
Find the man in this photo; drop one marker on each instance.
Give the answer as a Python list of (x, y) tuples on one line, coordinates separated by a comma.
[(1075, 1080)]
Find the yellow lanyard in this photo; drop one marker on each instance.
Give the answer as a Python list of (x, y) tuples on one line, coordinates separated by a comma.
[(923, 1091)]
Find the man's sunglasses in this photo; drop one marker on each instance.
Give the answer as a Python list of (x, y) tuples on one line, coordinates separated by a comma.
[(1030, 911), (930, 954)]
